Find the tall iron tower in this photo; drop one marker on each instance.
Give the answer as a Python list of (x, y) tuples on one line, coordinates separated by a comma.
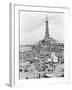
[(46, 30)]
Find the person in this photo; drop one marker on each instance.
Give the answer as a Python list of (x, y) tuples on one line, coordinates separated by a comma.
[(54, 58), (39, 76), (20, 69), (49, 59)]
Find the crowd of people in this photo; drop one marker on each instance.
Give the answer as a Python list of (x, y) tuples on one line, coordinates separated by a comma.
[(41, 65)]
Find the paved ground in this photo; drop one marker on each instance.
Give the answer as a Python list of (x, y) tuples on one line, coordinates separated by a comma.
[(33, 73)]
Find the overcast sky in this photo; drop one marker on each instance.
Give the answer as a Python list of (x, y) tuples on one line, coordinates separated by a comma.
[(32, 26)]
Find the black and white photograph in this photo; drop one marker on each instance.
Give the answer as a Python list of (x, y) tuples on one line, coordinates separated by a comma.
[(41, 45)]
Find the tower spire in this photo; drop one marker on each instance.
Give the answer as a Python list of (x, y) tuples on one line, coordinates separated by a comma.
[(46, 29)]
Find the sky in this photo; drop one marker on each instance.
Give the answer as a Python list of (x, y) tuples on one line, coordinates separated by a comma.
[(32, 26)]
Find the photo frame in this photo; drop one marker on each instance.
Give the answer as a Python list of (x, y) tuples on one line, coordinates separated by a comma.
[(16, 37)]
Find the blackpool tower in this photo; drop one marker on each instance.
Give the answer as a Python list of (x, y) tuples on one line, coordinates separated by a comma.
[(46, 30)]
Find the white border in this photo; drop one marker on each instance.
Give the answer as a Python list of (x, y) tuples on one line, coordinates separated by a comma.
[(14, 66)]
